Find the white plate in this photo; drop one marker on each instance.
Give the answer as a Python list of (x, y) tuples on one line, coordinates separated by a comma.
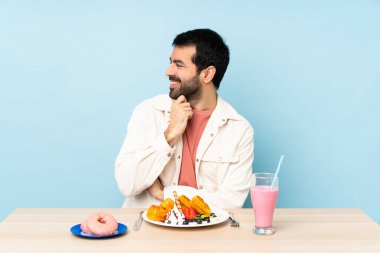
[(221, 216)]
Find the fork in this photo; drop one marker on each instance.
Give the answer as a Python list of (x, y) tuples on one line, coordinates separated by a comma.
[(234, 222)]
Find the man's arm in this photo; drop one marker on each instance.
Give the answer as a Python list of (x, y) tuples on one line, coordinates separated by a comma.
[(144, 153)]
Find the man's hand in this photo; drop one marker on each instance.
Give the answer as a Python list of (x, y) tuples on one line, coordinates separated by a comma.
[(156, 190), (181, 112)]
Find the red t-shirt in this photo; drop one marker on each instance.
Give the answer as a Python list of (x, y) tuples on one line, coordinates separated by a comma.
[(190, 139)]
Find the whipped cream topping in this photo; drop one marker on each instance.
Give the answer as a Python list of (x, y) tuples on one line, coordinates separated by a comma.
[(175, 217)]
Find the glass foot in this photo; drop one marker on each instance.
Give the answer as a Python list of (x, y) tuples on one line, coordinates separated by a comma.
[(263, 231)]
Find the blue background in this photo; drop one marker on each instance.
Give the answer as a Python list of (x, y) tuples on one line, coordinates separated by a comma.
[(304, 73)]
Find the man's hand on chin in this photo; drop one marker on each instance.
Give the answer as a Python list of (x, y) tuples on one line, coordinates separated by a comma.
[(181, 112)]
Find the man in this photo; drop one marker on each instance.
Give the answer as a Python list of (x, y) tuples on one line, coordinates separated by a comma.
[(191, 137)]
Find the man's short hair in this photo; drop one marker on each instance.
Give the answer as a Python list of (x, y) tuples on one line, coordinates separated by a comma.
[(210, 51)]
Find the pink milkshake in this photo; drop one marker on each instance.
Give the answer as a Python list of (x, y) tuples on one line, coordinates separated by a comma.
[(264, 192), (264, 200)]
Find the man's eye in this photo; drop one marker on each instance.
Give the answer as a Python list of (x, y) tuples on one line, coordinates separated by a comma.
[(179, 65)]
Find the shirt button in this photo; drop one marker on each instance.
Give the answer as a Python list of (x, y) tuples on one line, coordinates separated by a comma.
[(212, 135), (197, 160), (200, 187), (224, 120), (179, 157), (174, 183), (169, 154)]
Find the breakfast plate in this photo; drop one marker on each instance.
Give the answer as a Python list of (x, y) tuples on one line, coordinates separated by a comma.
[(217, 215), (220, 216), (76, 230)]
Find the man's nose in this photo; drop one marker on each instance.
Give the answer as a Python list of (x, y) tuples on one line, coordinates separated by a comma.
[(170, 70)]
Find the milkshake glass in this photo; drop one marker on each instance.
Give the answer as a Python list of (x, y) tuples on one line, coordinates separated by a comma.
[(264, 192)]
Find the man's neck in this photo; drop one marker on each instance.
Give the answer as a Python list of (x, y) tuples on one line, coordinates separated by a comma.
[(206, 102)]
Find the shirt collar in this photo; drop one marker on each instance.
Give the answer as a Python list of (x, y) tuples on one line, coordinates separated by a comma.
[(225, 111)]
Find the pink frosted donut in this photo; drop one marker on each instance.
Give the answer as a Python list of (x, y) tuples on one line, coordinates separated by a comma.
[(101, 224)]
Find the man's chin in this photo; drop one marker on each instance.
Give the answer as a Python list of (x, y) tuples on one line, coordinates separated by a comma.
[(173, 94)]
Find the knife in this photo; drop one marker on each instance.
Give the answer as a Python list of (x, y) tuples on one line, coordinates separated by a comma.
[(137, 225)]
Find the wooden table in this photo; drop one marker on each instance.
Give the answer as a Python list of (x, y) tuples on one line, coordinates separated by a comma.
[(297, 230)]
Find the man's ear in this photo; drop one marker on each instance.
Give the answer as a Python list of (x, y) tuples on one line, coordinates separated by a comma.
[(208, 74)]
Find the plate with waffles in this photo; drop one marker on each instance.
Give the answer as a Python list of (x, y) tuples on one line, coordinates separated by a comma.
[(185, 208)]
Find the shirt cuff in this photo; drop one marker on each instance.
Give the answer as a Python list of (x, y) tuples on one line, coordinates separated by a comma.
[(162, 146)]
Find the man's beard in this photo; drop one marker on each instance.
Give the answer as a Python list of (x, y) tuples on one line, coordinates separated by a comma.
[(191, 89)]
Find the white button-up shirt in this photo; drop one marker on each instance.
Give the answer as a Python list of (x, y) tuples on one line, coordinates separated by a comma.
[(224, 156)]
